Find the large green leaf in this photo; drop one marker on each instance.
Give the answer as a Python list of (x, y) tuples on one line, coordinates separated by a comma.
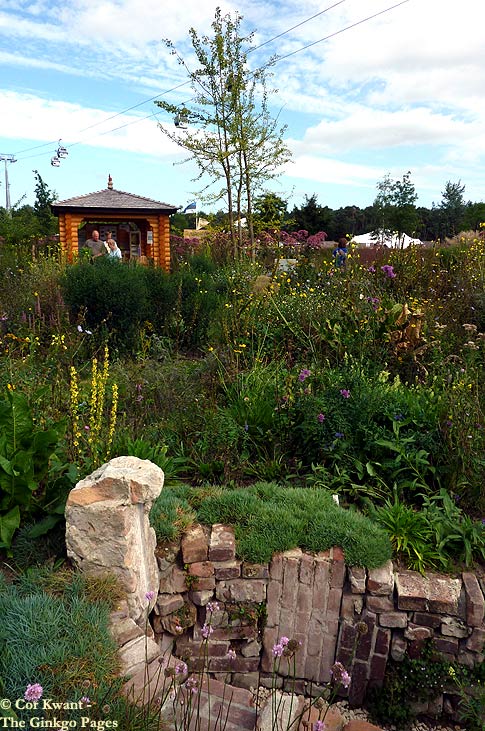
[(8, 525)]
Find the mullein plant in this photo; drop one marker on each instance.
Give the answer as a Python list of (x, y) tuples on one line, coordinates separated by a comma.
[(91, 442)]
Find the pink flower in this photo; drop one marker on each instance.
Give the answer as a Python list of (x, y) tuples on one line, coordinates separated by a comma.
[(206, 631), (149, 595), (284, 641), (345, 393), (321, 417), (231, 654), (278, 650), (318, 726), (180, 668), (33, 692)]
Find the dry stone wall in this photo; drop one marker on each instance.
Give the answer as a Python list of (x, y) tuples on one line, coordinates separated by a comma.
[(358, 617), (334, 612)]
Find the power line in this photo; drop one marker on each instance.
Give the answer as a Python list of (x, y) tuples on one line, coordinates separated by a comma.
[(168, 91), (274, 61)]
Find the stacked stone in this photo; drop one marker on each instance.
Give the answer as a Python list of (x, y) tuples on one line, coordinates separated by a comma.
[(304, 599), (205, 570), (401, 611)]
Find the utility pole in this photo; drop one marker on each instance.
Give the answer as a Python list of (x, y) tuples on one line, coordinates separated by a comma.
[(6, 159)]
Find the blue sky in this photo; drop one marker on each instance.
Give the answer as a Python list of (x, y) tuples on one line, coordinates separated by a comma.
[(403, 91)]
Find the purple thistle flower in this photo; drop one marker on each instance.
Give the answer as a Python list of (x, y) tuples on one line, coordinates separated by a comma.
[(345, 393), (150, 595), (321, 417), (33, 692)]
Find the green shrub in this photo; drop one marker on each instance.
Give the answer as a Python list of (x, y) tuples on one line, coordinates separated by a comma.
[(109, 298), (268, 518)]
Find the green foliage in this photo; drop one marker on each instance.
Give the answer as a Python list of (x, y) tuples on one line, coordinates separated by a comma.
[(437, 535), (110, 299), (420, 679), (25, 452), (268, 518), (156, 453), (171, 516)]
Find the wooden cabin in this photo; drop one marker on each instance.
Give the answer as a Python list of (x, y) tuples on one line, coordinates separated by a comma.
[(141, 226)]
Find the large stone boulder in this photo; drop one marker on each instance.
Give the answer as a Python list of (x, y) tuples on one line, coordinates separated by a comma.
[(108, 529)]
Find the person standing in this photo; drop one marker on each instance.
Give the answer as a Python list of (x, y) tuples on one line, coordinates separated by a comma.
[(95, 245), (114, 250)]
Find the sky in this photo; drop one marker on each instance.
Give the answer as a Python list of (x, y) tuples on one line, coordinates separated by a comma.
[(361, 97)]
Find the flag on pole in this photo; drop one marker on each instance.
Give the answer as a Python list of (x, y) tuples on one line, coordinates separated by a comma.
[(190, 207)]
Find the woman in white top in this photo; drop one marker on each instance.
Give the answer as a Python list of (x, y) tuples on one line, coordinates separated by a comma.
[(114, 251)]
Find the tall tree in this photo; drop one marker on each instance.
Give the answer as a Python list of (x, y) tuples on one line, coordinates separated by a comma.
[(270, 212), (42, 206), (311, 216), (453, 207), (230, 133), (396, 206)]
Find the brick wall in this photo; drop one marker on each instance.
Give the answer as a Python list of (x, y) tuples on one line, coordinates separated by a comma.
[(358, 617)]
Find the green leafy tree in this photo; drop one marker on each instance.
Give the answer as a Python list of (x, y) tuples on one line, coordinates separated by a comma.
[(312, 217), (452, 208), (396, 205), (47, 222), (228, 130), (270, 212), (474, 215)]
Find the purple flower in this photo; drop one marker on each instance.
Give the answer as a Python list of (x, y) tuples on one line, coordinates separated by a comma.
[(340, 675), (388, 271), (304, 373), (371, 269), (149, 595), (33, 692), (318, 726), (321, 417), (345, 393), (191, 685), (206, 631), (284, 641), (85, 701), (339, 435), (180, 668), (231, 654), (278, 650)]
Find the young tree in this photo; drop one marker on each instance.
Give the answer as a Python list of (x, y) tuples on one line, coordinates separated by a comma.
[(47, 222), (396, 205), (270, 212), (231, 135), (452, 207)]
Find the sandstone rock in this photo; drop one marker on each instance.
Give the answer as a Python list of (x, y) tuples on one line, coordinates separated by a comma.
[(222, 546), (434, 593), (195, 545), (136, 654), (381, 580), (108, 529), (475, 601), (357, 577), (289, 709)]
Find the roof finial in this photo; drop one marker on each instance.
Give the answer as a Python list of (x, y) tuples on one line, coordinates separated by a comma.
[(110, 182)]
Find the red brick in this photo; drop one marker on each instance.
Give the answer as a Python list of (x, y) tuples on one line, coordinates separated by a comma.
[(194, 545), (306, 569), (201, 569)]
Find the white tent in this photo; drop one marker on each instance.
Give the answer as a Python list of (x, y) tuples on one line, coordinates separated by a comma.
[(393, 241)]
